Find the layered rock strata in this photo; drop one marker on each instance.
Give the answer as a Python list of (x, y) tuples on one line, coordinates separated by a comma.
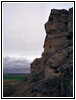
[(56, 63)]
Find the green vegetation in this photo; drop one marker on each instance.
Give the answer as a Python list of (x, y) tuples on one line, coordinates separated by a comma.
[(12, 82), (26, 78), (8, 90), (17, 77)]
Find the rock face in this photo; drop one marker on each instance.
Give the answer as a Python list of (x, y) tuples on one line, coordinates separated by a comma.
[(53, 73)]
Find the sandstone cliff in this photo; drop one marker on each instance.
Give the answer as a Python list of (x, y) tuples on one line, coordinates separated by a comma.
[(53, 73)]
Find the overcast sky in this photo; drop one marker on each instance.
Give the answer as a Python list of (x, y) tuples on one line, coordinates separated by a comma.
[(23, 27)]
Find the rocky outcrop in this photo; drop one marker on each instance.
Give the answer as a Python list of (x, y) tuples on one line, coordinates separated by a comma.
[(54, 71)]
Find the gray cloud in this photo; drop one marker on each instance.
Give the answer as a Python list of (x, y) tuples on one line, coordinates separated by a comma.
[(23, 27)]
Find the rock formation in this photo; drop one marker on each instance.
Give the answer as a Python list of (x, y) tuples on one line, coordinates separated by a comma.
[(53, 73)]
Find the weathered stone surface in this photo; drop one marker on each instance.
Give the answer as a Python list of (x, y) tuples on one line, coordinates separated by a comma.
[(56, 59), (36, 66), (53, 72), (56, 34), (58, 11), (70, 20), (55, 26), (55, 12), (57, 18), (49, 87), (57, 21)]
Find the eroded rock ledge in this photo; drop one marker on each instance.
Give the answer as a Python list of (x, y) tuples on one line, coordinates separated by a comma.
[(53, 73)]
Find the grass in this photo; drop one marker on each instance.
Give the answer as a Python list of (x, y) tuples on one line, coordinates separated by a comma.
[(9, 89), (12, 82), (16, 77)]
